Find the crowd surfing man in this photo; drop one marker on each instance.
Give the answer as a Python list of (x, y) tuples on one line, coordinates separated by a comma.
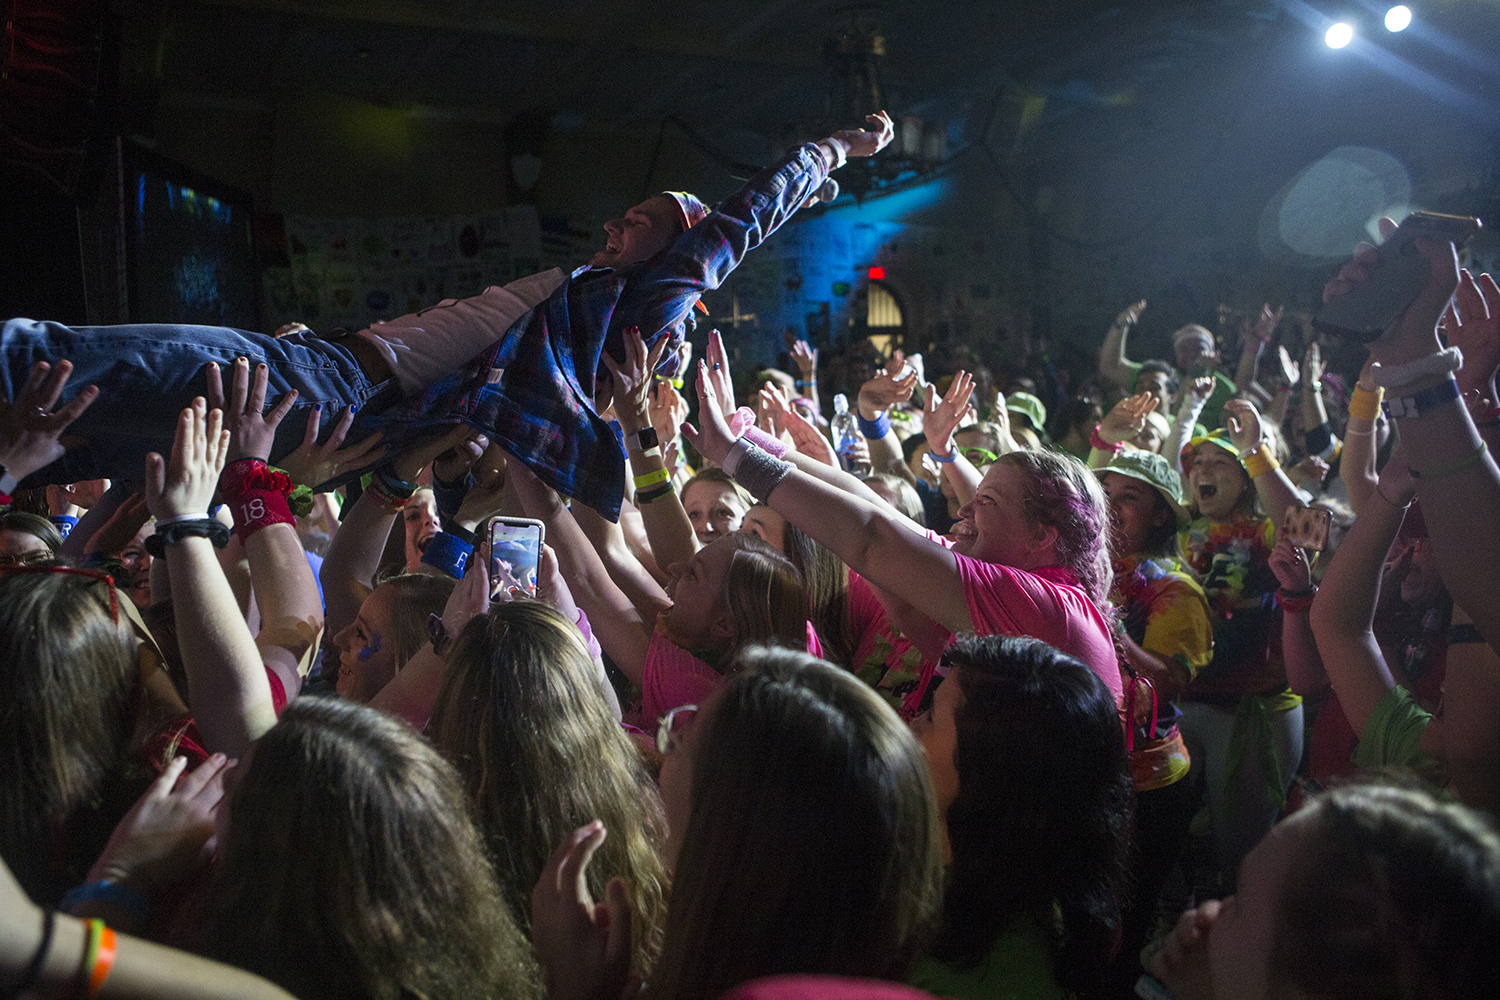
[(545, 333)]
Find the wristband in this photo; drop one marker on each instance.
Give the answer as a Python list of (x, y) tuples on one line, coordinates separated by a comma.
[(449, 553), (840, 153), (192, 526), (737, 452), (39, 958), (646, 439), (652, 478), (1444, 362), (8, 483), (760, 473), (395, 487), (1096, 441), (875, 429), (257, 496), (654, 494), (120, 894), (806, 383), (1473, 458), (379, 494), (650, 453), (1403, 407), (1365, 404), (772, 446), (952, 456), (64, 523), (1295, 601), (1260, 461)]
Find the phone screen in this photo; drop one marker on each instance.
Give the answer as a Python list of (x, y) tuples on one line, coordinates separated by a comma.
[(515, 553)]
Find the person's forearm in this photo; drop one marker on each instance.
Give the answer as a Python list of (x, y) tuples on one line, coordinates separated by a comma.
[(142, 969), (1351, 586), (352, 559), (668, 528), (1314, 410), (1276, 411), (411, 694), (608, 541), (1244, 373), (226, 675), (962, 476), (1277, 494), (1113, 365), (1304, 667), (1461, 508), (1182, 431), (291, 610), (93, 519)]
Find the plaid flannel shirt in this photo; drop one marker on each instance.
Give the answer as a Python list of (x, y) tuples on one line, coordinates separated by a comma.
[(541, 407)]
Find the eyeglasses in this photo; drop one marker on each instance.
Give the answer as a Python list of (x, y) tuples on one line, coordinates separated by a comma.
[(666, 739), (23, 558), (96, 576), (980, 456)]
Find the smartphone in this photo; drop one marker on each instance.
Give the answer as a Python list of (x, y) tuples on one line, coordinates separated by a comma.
[(1365, 313), (515, 554), (1307, 527)]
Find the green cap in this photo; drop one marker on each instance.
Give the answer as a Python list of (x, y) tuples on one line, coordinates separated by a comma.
[(1218, 437), (1030, 407), (1153, 470)]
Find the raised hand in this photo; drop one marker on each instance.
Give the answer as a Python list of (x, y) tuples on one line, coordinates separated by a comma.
[(1413, 334), (1182, 962), (893, 385), (1472, 324), (806, 357), (186, 486), (668, 410), (583, 947), (122, 527), (484, 497), (1291, 373), (410, 462), (1266, 323), (313, 464), (165, 837), (1127, 418), (252, 431), (1313, 365), (808, 440), (29, 429), (1131, 314), (941, 417), (1243, 423), (633, 378), (1200, 388), (868, 142), (716, 366), (713, 439)]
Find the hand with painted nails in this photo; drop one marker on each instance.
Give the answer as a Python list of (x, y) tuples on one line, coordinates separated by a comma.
[(633, 378), (712, 438), (313, 464), (252, 431), (583, 947), (30, 429)]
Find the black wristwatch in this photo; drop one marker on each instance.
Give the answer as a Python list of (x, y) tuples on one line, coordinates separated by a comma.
[(646, 439)]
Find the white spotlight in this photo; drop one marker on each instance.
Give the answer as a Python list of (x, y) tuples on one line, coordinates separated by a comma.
[(1397, 18), (1339, 35)]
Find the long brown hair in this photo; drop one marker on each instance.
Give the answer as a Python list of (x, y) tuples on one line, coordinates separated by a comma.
[(67, 687), (351, 868), (414, 599), (812, 841), (826, 580), (763, 594), (521, 717)]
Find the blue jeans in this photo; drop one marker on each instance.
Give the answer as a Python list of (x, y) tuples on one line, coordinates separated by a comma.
[(147, 374)]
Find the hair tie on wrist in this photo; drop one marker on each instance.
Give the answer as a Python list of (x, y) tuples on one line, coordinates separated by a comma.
[(175, 529)]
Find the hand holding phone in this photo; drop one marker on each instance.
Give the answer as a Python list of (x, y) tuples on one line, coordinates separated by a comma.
[(1396, 281), (515, 553)]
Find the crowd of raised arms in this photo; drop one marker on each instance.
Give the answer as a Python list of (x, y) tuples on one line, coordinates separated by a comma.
[(956, 699)]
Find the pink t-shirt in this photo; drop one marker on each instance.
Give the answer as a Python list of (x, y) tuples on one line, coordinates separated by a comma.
[(1045, 604), (884, 659), (672, 676)]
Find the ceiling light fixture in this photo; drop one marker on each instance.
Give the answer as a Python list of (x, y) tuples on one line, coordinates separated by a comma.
[(1398, 18), (1339, 35)]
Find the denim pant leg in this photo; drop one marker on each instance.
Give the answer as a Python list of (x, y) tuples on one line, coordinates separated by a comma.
[(147, 373)]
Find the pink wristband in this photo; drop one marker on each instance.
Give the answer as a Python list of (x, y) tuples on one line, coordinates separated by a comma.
[(774, 447)]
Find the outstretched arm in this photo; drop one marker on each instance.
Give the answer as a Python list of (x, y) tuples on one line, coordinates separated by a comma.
[(868, 537), (1276, 491), (1114, 367)]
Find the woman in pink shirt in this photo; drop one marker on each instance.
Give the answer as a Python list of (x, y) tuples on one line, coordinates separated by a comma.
[(1029, 558)]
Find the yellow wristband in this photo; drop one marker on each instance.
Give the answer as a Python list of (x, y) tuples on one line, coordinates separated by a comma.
[(1364, 404), (1260, 461), (652, 478)]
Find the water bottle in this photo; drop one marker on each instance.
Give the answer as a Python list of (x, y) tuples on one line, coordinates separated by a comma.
[(846, 434)]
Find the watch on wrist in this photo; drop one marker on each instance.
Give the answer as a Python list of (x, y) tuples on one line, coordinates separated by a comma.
[(646, 438)]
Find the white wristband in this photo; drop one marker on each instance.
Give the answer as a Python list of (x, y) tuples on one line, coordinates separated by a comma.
[(840, 152), (732, 460), (1440, 363)]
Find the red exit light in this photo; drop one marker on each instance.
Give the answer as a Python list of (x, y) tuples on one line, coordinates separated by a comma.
[(877, 273)]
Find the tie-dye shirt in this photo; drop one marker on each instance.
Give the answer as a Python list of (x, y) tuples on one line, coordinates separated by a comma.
[(1233, 560)]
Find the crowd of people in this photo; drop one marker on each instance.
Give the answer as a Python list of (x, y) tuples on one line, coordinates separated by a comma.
[(969, 703)]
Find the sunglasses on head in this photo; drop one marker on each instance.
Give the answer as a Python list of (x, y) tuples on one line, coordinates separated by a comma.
[(89, 574)]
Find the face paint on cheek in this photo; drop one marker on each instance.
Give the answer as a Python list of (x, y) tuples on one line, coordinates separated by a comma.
[(371, 649)]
